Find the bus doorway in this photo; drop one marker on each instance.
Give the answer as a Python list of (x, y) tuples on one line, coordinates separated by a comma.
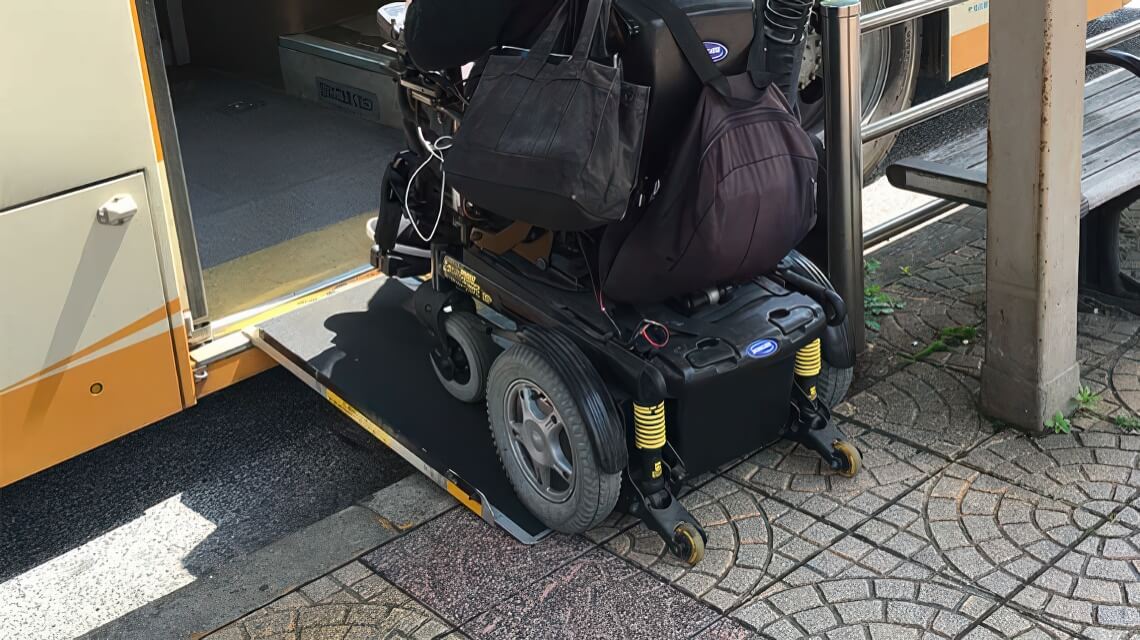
[(285, 114)]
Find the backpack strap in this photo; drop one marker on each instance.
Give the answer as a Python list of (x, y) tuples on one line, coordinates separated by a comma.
[(689, 42), (758, 51)]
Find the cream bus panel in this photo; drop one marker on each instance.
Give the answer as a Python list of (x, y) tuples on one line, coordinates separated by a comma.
[(86, 352), (969, 37), (73, 108)]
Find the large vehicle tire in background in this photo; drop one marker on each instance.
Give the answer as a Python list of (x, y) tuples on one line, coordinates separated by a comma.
[(890, 72)]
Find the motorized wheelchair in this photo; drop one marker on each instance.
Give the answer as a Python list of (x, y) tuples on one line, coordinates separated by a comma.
[(584, 396)]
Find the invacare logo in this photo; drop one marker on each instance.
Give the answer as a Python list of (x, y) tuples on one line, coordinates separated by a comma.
[(717, 50)]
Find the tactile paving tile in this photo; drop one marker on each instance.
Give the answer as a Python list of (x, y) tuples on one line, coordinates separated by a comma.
[(596, 596), (352, 602), (752, 540), (979, 529), (798, 476), (460, 566), (1094, 589), (895, 599), (1097, 468), (928, 406)]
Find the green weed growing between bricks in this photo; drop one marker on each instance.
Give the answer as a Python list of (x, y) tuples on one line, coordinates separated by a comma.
[(948, 337), (1059, 423), (1086, 399), (1128, 423), (876, 302)]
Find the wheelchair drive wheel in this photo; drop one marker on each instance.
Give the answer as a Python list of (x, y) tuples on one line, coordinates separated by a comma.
[(543, 441), (472, 350), (834, 380), (833, 383)]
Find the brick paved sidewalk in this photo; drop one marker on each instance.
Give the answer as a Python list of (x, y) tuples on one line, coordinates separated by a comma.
[(956, 528)]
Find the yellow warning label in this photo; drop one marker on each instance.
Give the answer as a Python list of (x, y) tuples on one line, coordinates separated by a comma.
[(358, 418), (465, 279)]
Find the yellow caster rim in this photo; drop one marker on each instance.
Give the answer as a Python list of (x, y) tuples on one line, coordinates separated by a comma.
[(693, 539), (851, 454)]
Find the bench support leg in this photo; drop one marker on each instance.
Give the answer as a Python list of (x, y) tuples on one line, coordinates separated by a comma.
[(1102, 281), (1032, 243)]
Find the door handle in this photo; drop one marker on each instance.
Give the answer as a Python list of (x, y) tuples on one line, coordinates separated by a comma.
[(117, 211)]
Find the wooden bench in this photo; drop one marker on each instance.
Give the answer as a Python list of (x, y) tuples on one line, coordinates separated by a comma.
[(1110, 176)]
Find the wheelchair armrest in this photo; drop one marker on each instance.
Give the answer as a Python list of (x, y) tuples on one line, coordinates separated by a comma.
[(936, 179)]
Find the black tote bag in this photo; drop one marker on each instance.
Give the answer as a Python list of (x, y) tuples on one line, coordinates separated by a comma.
[(552, 143)]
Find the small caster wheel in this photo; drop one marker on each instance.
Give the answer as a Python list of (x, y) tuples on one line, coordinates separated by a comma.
[(690, 543), (473, 351), (851, 456)]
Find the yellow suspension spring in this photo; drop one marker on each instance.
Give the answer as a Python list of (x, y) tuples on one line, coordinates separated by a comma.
[(809, 361), (649, 426)]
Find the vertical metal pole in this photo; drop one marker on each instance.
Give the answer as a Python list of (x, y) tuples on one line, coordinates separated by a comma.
[(843, 115)]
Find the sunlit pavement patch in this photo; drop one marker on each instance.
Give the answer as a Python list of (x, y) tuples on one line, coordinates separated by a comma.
[(142, 558)]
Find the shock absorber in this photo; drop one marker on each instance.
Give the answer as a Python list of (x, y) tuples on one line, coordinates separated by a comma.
[(649, 438), (809, 362), (785, 28)]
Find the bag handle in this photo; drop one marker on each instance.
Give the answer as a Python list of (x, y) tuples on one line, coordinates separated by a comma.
[(689, 42), (589, 29), (541, 50), (544, 47)]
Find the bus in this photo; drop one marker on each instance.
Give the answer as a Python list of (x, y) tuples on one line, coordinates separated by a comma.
[(173, 174)]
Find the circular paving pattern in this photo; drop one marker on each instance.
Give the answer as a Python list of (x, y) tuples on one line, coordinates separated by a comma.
[(798, 476), (928, 406), (1082, 567), (866, 607), (751, 541), (1097, 468), (996, 535), (1095, 588)]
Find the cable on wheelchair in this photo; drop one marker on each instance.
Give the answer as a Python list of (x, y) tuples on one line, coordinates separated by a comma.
[(435, 152)]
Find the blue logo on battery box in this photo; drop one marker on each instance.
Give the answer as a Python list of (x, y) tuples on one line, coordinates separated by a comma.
[(717, 50), (762, 348)]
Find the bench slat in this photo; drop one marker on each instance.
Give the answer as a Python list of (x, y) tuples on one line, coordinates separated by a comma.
[(1101, 107), (1110, 151)]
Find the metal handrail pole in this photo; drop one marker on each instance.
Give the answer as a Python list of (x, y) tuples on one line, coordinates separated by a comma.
[(844, 157), (900, 13), (909, 220), (974, 91), (926, 110), (1113, 36)]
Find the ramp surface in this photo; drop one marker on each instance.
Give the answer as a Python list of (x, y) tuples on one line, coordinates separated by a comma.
[(364, 350)]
